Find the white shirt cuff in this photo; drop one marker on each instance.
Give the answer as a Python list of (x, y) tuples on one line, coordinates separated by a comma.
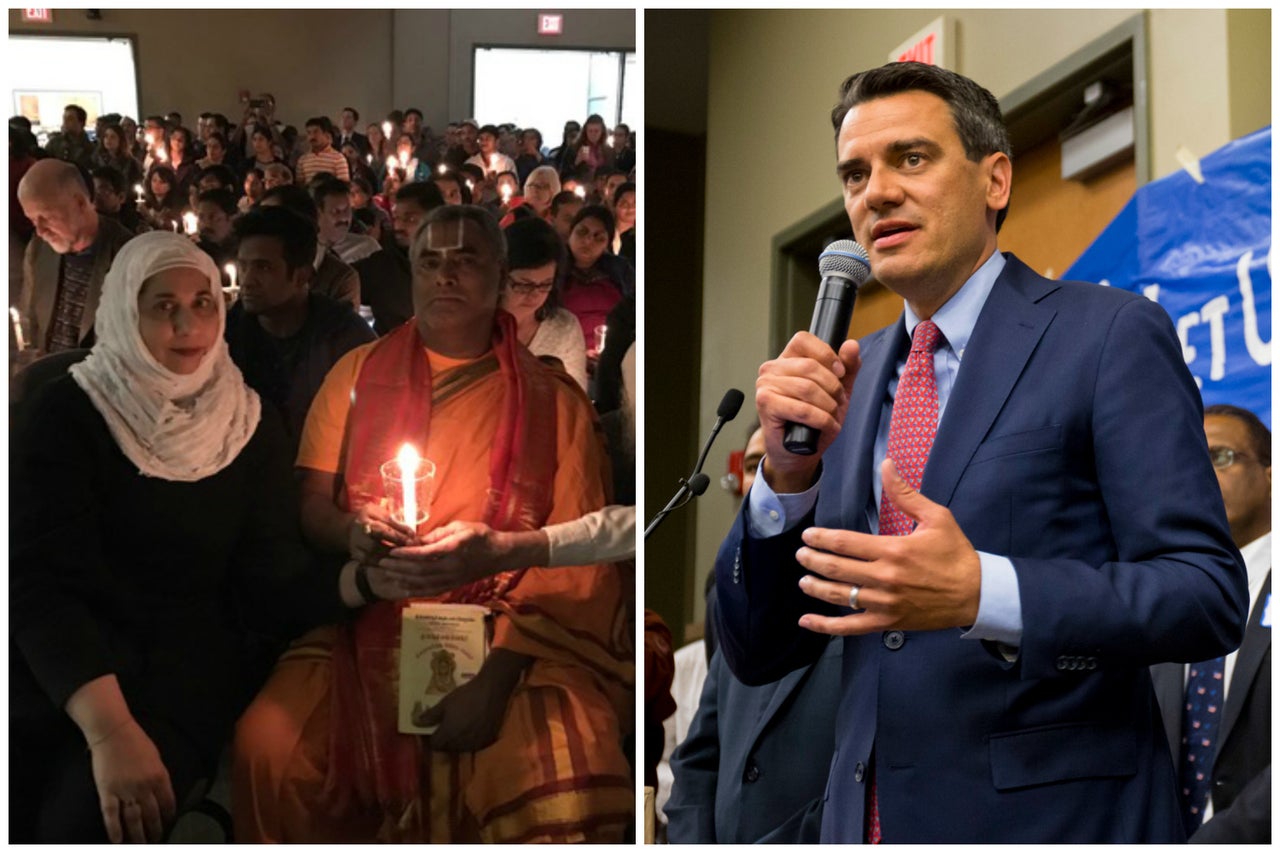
[(999, 608), (769, 513)]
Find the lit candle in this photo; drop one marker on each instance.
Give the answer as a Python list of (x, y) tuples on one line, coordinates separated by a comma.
[(408, 460), (404, 160), (138, 189), (190, 222), (386, 129), (369, 159), (470, 184), (391, 163), (580, 191), (162, 155), (493, 162), (506, 193), (175, 226), (17, 328), (443, 168), (230, 270)]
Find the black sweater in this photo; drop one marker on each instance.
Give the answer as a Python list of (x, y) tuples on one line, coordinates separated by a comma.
[(165, 584)]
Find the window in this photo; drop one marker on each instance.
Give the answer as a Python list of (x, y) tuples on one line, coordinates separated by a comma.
[(546, 88), (46, 73)]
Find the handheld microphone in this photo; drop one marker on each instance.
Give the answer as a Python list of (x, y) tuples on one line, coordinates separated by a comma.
[(696, 483), (844, 267)]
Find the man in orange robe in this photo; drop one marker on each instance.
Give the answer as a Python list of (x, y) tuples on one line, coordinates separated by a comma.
[(530, 749)]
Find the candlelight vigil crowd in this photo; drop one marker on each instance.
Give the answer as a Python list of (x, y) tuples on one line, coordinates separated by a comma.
[(322, 477)]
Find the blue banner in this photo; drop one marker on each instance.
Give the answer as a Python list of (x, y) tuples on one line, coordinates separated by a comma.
[(1202, 250)]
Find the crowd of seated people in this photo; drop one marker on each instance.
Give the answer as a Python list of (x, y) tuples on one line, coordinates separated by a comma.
[(194, 315)]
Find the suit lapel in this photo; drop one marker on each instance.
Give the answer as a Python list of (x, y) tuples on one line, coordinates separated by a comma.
[(1257, 641), (1006, 334), (48, 269), (879, 359)]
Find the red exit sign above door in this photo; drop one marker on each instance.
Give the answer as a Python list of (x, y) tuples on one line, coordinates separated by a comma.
[(37, 16), (550, 25)]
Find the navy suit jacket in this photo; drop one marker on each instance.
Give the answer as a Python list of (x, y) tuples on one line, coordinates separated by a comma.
[(1242, 765), (1073, 443), (737, 775)]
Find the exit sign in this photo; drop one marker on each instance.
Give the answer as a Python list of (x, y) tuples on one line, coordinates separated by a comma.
[(38, 16), (932, 45), (550, 25)]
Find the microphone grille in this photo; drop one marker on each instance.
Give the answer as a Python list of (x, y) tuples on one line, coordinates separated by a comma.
[(846, 259)]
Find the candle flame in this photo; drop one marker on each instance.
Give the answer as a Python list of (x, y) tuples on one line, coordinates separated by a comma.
[(443, 168), (391, 162), (386, 129), (580, 192), (190, 222), (506, 193), (408, 460)]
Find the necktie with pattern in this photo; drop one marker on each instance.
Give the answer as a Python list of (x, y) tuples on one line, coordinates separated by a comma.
[(912, 426), (1201, 716)]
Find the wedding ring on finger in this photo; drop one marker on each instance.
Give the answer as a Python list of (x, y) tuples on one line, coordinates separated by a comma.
[(853, 596)]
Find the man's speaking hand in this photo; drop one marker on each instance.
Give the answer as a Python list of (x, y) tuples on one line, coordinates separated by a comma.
[(926, 580), (807, 384)]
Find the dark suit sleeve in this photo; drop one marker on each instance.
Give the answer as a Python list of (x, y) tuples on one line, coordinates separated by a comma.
[(1246, 821), (1176, 589), (759, 603), (695, 764)]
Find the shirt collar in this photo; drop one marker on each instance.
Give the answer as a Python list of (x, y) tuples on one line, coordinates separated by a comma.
[(959, 314), (1257, 562)]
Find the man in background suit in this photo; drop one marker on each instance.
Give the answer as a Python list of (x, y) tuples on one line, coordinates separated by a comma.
[(1236, 785), (347, 132), (67, 260), (736, 779), (1042, 529)]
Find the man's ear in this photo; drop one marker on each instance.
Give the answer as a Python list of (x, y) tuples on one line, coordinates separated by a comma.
[(999, 174), (302, 275)]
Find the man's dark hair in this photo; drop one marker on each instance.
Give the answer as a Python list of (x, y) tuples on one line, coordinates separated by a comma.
[(221, 123), (225, 177), (21, 142), (224, 198), (297, 236), (78, 110), (329, 186), (425, 194), (321, 122), (536, 133), (622, 190), (114, 178), (490, 129), (355, 113), (598, 212), (469, 122), (363, 184), (532, 243), (395, 116), (262, 129), (205, 116), (1259, 435), (294, 198), (365, 217), (258, 172), (561, 199), (413, 111), (974, 111), (218, 135), (466, 213)]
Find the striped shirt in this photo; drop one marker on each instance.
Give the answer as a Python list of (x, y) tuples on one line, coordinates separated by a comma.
[(328, 160)]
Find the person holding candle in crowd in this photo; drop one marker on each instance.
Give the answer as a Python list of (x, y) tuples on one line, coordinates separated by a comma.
[(389, 292), (162, 200), (111, 198), (254, 187), (540, 188), (215, 151), (597, 280), (590, 148), (262, 140), (467, 145), (537, 258), (530, 156), (488, 157), (453, 187), (151, 455), (67, 260), (332, 277), (215, 210), (377, 142), (321, 157), (317, 756)]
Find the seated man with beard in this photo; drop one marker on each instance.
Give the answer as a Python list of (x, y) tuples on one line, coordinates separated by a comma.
[(528, 750)]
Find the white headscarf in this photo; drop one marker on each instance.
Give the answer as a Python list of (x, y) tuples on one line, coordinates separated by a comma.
[(174, 427)]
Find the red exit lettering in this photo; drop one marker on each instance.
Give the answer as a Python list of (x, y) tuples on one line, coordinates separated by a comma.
[(921, 51)]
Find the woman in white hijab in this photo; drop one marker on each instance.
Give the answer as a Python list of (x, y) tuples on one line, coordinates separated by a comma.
[(153, 519)]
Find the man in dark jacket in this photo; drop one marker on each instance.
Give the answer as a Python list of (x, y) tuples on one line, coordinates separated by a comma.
[(282, 336)]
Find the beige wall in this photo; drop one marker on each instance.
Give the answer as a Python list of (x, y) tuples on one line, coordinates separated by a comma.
[(276, 51), (317, 61), (773, 81)]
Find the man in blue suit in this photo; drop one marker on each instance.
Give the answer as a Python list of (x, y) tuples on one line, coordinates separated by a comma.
[(1065, 533)]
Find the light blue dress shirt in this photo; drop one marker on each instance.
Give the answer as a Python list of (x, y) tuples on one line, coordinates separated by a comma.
[(770, 513)]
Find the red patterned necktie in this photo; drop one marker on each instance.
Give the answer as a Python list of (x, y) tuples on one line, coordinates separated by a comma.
[(912, 426)]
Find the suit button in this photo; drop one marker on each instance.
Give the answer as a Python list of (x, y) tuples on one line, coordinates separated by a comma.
[(859, 772), (753, 773), (893, 640)]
